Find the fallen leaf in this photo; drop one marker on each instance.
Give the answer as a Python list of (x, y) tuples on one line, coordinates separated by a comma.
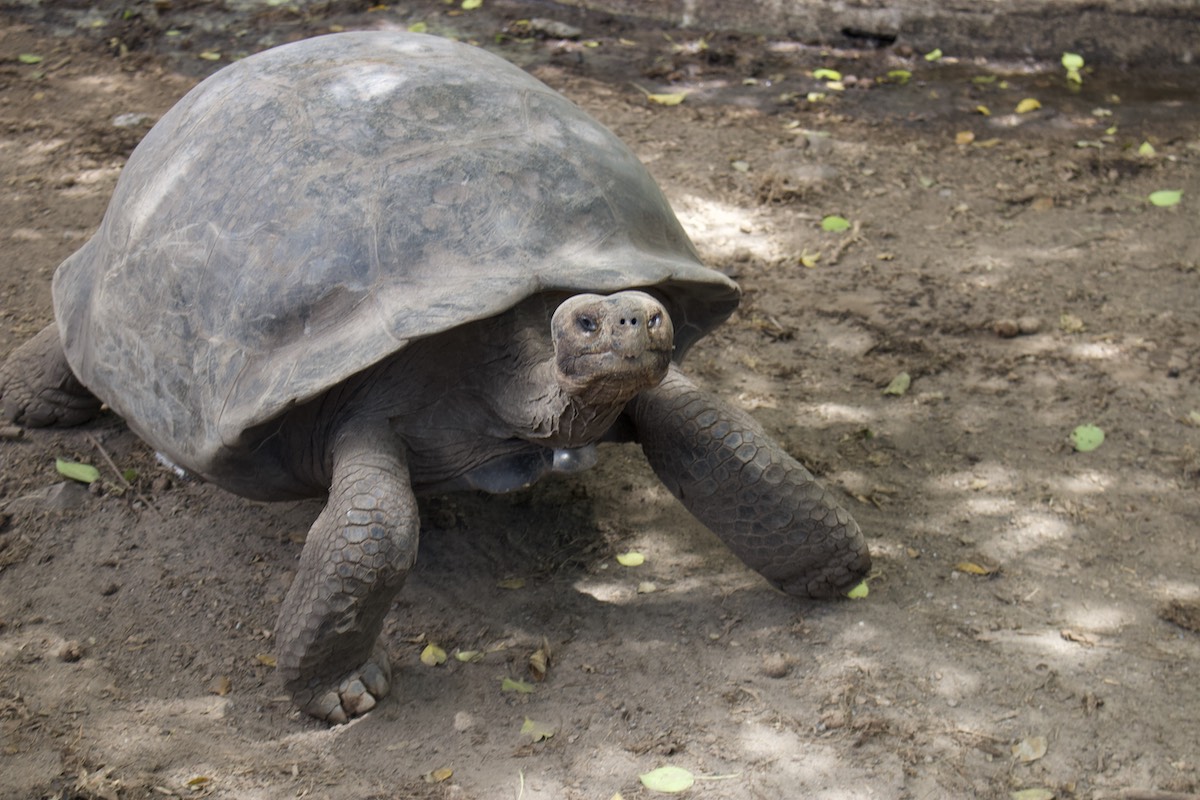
[(1027, 105), (934, 55), (438, 775), (631, 559), (471, 5), (1032, 794), (1146, 150), (199, 780), (511, 583), (210, 55), (809, 260), (266, 659), (84, 473), (858, 592), (1087, 438), (647, 587), (1069, 323), (510, 685), (220, 686), (1071, 636), (538, 731), (1165, 198), (539, 662), (418, 27), (899, 385), (824, 74), (901, 76), (964, 137), (668, 780), (468, 655), (672, 99), (1030, 749), (971, 568), (433, 655), (29, 58), (835, 224)]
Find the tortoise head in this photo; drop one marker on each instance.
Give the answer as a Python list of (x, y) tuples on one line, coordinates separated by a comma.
[(609, 348)]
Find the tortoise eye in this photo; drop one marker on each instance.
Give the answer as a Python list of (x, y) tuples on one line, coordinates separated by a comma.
[(654, 321), (586, 324)]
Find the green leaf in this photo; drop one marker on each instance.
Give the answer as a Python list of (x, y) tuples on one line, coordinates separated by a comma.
[(835, 224), (1165, 198), (934, 54), (84, 473), (1072, 61), (824, 74), (900, 76), (538, 731), (520, 687), (858, 592), (631, 559), (471, 5), (1146, 150), (418, 27), (1087, 438), (668, 780), (29, 58), (130, 475), (899, 385)]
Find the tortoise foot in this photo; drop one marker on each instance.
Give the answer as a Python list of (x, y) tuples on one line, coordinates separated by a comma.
[(350, 695), (38, 389)]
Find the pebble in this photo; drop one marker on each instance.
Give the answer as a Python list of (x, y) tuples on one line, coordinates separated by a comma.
[(70, 652), (1007, 328), (463, 721), (776, 665)]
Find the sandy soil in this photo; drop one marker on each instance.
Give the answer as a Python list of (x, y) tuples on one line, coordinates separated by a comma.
[(134, 623)]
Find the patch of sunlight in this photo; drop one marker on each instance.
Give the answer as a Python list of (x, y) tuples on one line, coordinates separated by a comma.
[(766, 741), (1101, 619), (953, 682), (838, 412), (1095, 351), (1086, 482), (983, 477), (1031, 530), (989, 506), (1045, 643), (723, 229), (615, 592)]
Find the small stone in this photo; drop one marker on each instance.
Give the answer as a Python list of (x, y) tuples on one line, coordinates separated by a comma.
[(463, 721), (70, 652), (160, 484), (131, 120), (776, 665), (1029, 325), (1006, 328)]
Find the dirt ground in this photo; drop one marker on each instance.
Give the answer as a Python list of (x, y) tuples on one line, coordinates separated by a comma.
[(1032, 620)]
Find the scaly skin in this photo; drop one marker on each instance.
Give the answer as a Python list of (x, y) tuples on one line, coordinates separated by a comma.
[(746, 489), (354, 562), (38, 389)]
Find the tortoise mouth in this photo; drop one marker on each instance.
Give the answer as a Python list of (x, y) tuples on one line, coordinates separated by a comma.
[(612, 347)]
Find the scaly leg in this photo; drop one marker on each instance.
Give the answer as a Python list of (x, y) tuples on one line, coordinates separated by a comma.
[(740, 483), (354, 562), (38, 389)]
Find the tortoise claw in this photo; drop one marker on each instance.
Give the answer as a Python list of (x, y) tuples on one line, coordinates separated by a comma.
[(352, 695)]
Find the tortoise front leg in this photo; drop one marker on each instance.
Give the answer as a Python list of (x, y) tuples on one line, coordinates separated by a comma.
[(37, 387), (740, 483), (354, 562)]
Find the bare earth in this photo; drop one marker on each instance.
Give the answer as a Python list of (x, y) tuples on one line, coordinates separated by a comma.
[(134, 623)]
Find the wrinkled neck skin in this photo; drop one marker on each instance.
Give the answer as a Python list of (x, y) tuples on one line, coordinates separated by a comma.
[(465, 397)]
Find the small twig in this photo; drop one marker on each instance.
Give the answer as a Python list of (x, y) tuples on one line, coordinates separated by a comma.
[(121, 477), (11, 432), (855, 236)]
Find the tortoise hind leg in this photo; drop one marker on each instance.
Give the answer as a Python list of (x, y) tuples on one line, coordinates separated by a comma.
[(740, 483), (354, 561), (38, 389)]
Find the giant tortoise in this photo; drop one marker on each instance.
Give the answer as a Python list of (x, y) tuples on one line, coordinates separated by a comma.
[(370, 265)]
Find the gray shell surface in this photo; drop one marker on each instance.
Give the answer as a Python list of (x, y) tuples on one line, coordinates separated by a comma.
[(307, 211)]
